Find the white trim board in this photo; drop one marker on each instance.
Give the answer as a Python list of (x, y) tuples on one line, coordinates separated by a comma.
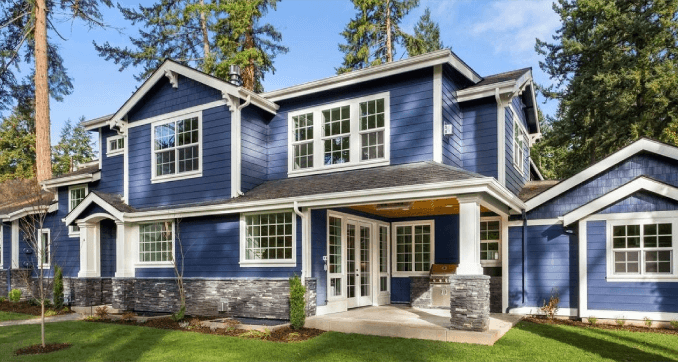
[(90, 199), (565, 312), (72, 180), (643, 144), (630, 315), (640, 183), (437, 113)]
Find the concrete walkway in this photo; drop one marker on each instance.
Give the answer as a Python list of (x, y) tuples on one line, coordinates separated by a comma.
[(56, 318), (406, 322)]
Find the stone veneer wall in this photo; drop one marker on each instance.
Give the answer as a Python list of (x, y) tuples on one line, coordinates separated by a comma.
[(21, 279), (311, 296), (495, 295), (251, 298), (86, 292), (470, 302), (420, 292), (3, 283)]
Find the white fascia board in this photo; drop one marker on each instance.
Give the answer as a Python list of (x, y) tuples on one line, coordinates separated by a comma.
[(91, 198), (380, 71), (72, 180), (604, 164), (95, 123), (536, 169), (641, 183), (489, 90), (30, 210)]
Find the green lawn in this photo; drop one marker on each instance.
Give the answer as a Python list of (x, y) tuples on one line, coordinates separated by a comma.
[(10, 316), (101, 342)]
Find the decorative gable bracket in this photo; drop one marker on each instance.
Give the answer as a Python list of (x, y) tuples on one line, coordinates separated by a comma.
[(173, 78)]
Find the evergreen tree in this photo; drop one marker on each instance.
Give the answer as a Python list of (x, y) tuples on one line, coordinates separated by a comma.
[(74, 147), (615, 65), (371, 36), (17, 144), (426, 36)]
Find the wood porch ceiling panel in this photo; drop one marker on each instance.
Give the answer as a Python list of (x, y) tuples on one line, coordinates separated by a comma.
[(418, 208)]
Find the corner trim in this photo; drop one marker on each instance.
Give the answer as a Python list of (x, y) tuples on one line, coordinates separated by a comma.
[(438, 113)]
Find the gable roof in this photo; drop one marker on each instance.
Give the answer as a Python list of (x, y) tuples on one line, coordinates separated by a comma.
[(112, 203), (641, 145), (81, 175), (512, 75)]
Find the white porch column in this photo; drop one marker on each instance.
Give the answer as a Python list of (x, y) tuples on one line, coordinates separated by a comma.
[(90, 251), (469, 235), (124, 268)]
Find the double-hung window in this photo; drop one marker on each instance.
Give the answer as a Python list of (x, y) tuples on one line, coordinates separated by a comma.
[(490, 240), (268, 239), (116, 145), (414, 247), (44, 248), (518, 146), (75, 196), (348, 134), (642, 249), (156, 243), (177, 148)]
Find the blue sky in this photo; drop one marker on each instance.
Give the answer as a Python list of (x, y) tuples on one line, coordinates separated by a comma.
[(490, 36)]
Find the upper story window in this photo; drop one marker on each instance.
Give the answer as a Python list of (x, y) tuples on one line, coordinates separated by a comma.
[(75, 196), (177, 148), (268, 239), (116, 145), (342, 135), (519, 141)]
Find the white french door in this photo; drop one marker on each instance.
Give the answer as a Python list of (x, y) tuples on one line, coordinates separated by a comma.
[(358, 264)]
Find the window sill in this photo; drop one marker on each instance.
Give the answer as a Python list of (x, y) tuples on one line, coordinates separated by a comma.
[(155, 265), (177, 177), (74, 235), (642, 278), (490, 263), (337, 168), (518, 168), (115, 153), (409, 274), (258, 264)]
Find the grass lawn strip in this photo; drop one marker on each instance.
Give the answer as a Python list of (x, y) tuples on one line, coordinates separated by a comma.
[(11, 316), (527, 341)]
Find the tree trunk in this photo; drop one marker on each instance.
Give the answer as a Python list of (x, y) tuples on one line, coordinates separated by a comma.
[(205, 34), (42, 306), (42, 136), (389, 43), (248, 73)]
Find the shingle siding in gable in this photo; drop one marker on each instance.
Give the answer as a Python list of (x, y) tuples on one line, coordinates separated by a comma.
[(621, 296), (216, 162), (452, 145), (162, 98), (515, 179), (112, 168), (479, 137), (255, 134), (660, 168), (411, 107), (641, 201)]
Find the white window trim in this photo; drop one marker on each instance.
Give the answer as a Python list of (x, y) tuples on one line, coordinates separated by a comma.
[(394, 267), (183, 175), (154, 264), (611, 276), (117, 152), (516, 122), (318, 147), (49, 248), (72, 233), (381, 274), (493, 263), (277, 263)]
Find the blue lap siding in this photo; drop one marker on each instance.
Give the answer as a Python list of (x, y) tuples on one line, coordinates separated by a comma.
[(107, 230), (6, 247), (550, 264), (112, 167), (622, 296), (479, 136), (515, 179), (255, 134), (452, 144)]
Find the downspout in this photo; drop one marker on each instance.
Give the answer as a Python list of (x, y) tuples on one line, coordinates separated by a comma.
[(524, 248), (304, 267)]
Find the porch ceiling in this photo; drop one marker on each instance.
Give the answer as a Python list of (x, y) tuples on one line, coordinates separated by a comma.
[(447, 206)]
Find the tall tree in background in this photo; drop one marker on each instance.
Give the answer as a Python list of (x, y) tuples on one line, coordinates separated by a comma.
[(426, 36), (371, 36), (208, 35), (24, 27), (17, 144), (615, 67), (74, 148)]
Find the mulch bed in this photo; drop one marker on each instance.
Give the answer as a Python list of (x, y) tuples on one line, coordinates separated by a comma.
[(282, 335), (24, 307), (39, 349), (575, 323)]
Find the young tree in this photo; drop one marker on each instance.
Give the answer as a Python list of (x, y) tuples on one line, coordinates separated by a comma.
[(178, 264), (615, 65), (426, 36), (17, 145), (371, 36), (74, 147)]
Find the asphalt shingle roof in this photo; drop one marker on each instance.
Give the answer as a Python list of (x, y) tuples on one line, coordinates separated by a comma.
[(534, 188), (501, 77), (81, 171)]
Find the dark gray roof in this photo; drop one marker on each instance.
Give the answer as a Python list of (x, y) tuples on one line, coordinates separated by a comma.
[(115, 201), (534, 188), (501, 77), (45, 199), (346, 181), (81, 171)]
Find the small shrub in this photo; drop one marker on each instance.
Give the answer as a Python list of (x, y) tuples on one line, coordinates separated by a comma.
[(178, 316), (297, 303), (254, 334), (127, 316), (15, 295), (3, 299), (50, 313), (92, 318), (620, 321), (648, 322), (58, 288), (674, 324), (551, 308), (593, 320), (101, 312)]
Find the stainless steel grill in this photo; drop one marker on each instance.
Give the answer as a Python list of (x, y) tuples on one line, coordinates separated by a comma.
[(439, 279)]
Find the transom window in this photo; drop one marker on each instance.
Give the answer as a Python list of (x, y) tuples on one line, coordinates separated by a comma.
[(116, 145), (413, 247), (156, 242), (177, 148), (642, 248), (347, 134), (269, 238), (75, 196), (490, 239)]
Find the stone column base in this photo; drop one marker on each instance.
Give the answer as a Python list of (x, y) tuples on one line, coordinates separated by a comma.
[(470, 302)]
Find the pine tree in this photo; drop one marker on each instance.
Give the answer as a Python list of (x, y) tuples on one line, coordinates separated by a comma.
[(17, 144), (371, 36), (74, 147), (426, 36), (615, 64)]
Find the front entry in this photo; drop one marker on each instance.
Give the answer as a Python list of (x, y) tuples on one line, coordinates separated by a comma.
[(358, 255)]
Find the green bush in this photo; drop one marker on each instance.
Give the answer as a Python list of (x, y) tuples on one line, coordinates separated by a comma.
[(58, 289), (674, 324), (593, 320), (297, 303), (3, 299), (15, 295)]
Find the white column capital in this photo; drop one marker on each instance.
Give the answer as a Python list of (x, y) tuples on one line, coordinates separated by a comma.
[(470, 199)]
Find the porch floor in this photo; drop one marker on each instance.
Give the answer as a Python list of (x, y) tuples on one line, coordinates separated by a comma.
[(407, 322)]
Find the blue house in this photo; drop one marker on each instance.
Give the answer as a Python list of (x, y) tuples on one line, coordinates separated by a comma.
[(362, 184)]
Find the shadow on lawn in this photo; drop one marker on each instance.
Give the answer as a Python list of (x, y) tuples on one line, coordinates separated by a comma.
[(607, 333), (129, 347), (599, 346)]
